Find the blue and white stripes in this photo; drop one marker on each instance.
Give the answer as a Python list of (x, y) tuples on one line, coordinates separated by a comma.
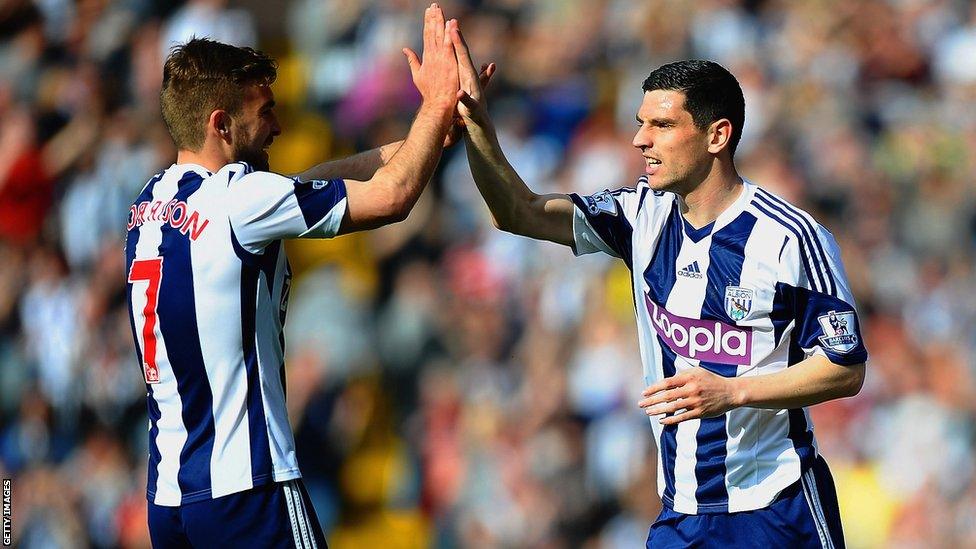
[(745, 295), (801, 225), (212, 321)]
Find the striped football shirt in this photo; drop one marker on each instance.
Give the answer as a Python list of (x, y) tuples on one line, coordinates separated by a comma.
[(207, 287), (759, 289)]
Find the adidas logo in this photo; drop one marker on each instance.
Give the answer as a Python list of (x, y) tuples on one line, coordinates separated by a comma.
[(691, 271)]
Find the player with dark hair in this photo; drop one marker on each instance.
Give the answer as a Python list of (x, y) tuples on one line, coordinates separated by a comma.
[(208, 284), (733, 288)]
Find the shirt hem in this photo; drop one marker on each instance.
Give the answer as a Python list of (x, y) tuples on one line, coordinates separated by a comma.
[(722, 508), (203, 495)]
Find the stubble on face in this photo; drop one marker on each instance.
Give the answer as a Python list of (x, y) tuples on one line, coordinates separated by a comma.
[(253, 129), (245, 150)]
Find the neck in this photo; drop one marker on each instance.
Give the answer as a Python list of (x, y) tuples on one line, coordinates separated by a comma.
[(210, 158), (711, 197)]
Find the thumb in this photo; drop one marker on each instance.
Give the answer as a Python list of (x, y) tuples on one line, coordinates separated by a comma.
[(412, 60), (467, 100)]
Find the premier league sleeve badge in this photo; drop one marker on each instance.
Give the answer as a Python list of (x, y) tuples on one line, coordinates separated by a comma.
[(839, 331), (601, 202)]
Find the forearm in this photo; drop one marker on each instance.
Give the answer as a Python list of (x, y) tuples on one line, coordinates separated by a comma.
[(360, 166), (501, 187), (806, 383), (411, 167)]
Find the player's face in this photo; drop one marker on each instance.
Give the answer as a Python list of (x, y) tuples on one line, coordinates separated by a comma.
[(256, 127), (675, 151)]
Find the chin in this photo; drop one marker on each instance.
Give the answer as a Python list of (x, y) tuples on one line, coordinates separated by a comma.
[(660, 184)]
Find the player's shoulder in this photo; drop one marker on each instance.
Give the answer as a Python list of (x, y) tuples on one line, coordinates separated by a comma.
[(147, 189), (640, 196), (237, 172), (793, 221)]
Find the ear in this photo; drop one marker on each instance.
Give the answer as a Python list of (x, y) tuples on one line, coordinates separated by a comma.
[(220, 124), (719, 135)]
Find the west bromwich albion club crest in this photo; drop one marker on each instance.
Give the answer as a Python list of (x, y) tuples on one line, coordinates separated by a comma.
[(738, 302), (838, 329)]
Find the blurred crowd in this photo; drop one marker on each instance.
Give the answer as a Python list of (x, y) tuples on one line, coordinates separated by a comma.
[(451, 385)]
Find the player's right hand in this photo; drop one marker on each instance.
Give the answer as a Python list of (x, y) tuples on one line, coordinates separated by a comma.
[(436, 77), (472, 107)]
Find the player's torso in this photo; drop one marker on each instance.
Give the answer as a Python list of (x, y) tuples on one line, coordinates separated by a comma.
[(207, 318), (709, 294), (708, 298), (201, 282)]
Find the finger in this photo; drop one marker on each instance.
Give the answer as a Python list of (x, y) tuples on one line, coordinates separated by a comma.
[(660, 397), (429, 39), (458, 121), (462, 52), (449, 29), (466, 100), (684, 416), (437, 21), (484, 77), (412, 60), (663, 385), (464, 42), (453, 135), (666, 408)]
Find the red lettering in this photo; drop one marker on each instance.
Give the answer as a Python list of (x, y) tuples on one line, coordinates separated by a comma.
[(177, 221), (140, 215), (153, 209), (168, 211), (132, 218), (195, 230), (151, 271)]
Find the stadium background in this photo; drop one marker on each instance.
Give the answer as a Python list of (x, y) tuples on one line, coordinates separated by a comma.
[(451, 385)]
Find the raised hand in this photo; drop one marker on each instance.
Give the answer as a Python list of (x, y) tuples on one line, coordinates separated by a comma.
[(484, 77), (436, 76), (471, 106)]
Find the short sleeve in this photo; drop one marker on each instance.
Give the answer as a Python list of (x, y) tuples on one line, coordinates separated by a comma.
[(605, 221), (826, 318), (266, 206)]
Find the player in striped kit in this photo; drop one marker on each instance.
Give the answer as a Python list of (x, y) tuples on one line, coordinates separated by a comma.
[(208, 285), (743, 310)]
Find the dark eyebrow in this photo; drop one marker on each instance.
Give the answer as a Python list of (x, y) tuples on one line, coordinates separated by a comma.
[(657, 121)]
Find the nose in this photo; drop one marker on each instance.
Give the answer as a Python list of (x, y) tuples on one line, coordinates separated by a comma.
[(275, 127), (642, 139)]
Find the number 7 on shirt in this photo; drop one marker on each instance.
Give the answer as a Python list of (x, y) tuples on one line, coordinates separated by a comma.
[(150, 270)]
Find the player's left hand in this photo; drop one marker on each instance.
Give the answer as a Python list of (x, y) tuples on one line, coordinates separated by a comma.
[(471, 106), (692, 394), (484, 77)]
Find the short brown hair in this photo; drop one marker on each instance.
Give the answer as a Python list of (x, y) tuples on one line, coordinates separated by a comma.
[(202, 76)]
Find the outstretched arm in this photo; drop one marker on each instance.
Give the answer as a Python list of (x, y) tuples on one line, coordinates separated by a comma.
[(514, 207), (391, 192), (698, 393), (361, 166)]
